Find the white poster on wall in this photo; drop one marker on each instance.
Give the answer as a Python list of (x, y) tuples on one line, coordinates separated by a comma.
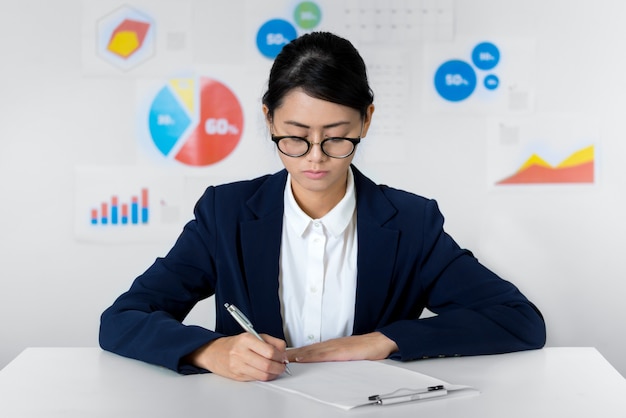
[(480, 76), (142, 38), (126, 204), (543, 150)]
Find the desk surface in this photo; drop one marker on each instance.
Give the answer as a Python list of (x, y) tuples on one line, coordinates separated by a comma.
[(88, 382)]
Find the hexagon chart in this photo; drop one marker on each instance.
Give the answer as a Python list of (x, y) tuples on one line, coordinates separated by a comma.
[(125, 37), (128, 37)]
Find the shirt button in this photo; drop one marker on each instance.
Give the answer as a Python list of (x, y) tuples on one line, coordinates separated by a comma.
[(313, 289), (316, 224), (311, 337)]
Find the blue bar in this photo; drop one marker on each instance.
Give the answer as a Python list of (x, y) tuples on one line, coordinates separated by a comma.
[(124, 220), (144, 215), (104, 220), (134, 213), (114, 215)]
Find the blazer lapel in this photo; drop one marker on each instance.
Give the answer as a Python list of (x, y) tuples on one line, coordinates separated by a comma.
[(376, 253), (260, 242)]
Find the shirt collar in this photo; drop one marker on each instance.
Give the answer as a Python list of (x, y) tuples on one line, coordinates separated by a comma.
[(336, 221)]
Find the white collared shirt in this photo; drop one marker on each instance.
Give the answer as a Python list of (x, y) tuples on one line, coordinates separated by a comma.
[(318, 270)]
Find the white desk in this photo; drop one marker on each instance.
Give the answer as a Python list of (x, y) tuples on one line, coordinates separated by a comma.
[(87, 382)]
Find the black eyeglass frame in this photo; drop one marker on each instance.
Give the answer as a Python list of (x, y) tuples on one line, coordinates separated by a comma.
[(354, 141)]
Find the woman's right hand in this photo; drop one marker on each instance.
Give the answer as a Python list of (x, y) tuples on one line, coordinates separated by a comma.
[(243, 357)]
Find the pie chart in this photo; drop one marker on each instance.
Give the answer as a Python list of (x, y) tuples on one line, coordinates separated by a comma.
[(196, 121)]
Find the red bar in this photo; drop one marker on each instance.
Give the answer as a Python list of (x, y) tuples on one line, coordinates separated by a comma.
[(124, 209), (104, 214), (144, 198)]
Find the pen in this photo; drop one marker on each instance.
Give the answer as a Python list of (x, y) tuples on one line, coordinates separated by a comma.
[(429, 392), (247, 325)]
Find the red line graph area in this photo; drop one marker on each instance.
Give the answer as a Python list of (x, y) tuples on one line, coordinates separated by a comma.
[(577, 168), (534, 174)]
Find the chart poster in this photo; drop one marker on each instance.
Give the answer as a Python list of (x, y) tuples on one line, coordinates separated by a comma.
[(119, 204), (480, 76), (392, 22), (271, 27), (554, 150), (390, 77), (191, 120), (142, 38)]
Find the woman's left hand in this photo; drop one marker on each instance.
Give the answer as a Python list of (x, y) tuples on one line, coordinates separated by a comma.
[(372, 346)]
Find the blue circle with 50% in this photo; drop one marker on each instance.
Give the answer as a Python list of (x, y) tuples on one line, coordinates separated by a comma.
[(485, 56), (491, 82), (273, 35), (455, 80)]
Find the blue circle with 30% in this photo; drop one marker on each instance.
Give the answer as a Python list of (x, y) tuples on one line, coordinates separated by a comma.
[(455, 80), (485, 56), (273, 35)]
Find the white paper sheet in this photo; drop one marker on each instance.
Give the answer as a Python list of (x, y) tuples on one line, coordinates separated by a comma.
[(349, 384)]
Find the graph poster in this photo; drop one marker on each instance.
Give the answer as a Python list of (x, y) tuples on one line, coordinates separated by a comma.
[(543, 150), (192, 120), (480, 76), (390, 22), (145, 38), (390, 77), (118, 204)]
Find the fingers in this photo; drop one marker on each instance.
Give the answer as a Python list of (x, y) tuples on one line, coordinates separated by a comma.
[(258, 360), (279, 345), (244, 358)]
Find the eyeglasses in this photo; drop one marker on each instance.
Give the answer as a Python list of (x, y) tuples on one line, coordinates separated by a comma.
[(334, 147)]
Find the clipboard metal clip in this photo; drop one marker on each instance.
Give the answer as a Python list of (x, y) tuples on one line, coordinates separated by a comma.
[(412, 395)]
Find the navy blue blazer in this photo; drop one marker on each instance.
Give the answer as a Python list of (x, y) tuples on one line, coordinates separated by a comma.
[(406, 262)]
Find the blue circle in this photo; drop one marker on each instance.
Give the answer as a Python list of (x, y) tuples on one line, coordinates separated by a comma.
[(485, 56), (491, 82), (455, 80), (273, 35)]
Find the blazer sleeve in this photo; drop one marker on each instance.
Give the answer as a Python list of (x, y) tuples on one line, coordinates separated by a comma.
[(145, 322), (476, 311)]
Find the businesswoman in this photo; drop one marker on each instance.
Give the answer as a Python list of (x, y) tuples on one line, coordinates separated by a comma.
[(321, 260)]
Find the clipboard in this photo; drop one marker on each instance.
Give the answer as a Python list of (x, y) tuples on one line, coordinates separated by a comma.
[(352, 384)]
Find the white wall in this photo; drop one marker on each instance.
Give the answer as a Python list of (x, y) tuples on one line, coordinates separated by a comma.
[(562, 245)]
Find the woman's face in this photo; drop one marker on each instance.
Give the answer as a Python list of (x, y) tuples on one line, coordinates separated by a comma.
[(315, 174)]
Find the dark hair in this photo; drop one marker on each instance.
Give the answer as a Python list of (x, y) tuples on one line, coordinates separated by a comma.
[(325, 66)]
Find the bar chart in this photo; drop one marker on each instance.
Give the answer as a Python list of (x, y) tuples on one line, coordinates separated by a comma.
[(136, 211)]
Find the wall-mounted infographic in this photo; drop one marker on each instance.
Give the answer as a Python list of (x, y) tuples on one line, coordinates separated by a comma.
[(150, 38), (456, 80), (576, 168), (483, 76), (126, 37), (127, 204), (196, 121), (397, 22), (135, 211), (278, 32), (543, 150)]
